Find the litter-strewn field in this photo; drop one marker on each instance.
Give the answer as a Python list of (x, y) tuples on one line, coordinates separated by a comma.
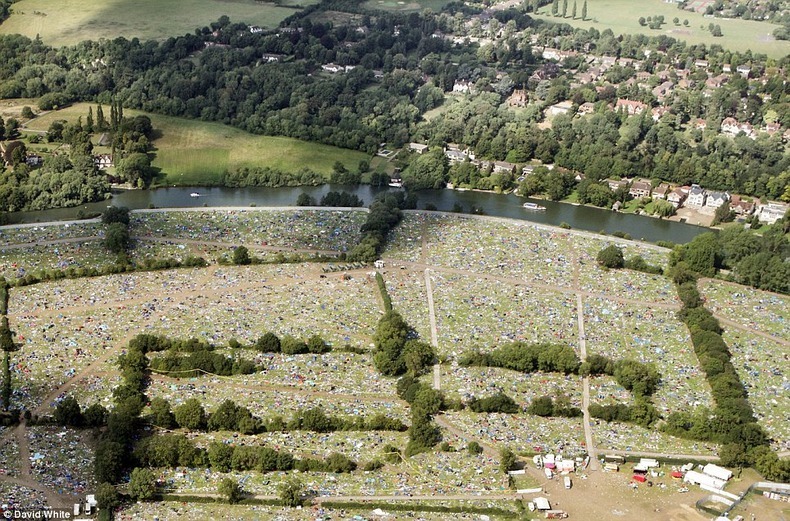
[(491, 282)]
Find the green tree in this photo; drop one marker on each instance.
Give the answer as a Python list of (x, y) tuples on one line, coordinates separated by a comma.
[(161, 415), (95, 415), (305, 199), (611, 257), (474, 448), (231, 489), (292, 492), (268, 343), (135, 169), (190, 415), (107, 497), (241, 256), (27, 112), (541, 406), (116, 214), (68, 412), (224, 417), (220, 456), (116, 238), (573, 10), (109, 461), (142, 485), (564, 8), (507, 459), (584, 10), (428, 170)]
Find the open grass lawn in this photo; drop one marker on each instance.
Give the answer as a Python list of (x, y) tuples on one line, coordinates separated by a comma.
[(622, 17), (192, 152), (68, 22)]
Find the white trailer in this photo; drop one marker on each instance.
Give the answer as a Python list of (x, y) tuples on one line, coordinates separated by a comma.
[(567, 482), (648, 462), (541, 503)]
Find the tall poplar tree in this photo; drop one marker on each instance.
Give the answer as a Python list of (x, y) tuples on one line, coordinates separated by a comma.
[(584, 10)]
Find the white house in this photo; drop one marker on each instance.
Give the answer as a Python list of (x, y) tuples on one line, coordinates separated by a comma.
[(716, 199), (772, 212), (696, 197)]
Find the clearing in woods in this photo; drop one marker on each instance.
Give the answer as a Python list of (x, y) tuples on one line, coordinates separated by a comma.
[(69, 22), (190, 152)]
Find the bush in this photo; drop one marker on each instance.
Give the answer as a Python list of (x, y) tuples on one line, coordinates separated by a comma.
[(611, 257), (474, 448), (499, 402)]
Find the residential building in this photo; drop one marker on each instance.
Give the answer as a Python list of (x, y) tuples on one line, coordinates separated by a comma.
[(616, 184), (772, 211), (631, 107), (417, 147), (676, 197), (740, 206), (586, 108), (563, 107), (661, 191), (696, 197), (639, 189), (715, 199)]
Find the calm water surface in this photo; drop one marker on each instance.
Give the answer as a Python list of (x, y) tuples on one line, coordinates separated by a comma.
[(579, 217)]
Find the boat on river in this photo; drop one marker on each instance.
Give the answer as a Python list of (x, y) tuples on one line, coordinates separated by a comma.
[(194, 194), (533, 206)]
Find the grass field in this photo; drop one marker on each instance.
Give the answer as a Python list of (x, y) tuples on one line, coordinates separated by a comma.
[(621, 16), (405, 6), (197, 153), (68, 22)]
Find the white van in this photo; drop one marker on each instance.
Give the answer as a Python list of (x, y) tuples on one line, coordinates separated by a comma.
[(567, 482)]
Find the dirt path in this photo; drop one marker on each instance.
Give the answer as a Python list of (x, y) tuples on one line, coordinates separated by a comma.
[(437, 369), (731, 323), (26, 479), (588, 435)]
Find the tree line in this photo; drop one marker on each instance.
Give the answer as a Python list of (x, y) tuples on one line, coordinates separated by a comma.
[(731, 423)]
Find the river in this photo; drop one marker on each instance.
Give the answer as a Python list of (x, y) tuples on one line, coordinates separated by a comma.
[(578, 217)]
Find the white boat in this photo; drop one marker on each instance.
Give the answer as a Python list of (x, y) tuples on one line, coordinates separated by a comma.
[(533, 206), (194, 194)]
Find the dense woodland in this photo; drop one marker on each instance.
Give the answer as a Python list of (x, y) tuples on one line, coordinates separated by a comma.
[(403, 66)]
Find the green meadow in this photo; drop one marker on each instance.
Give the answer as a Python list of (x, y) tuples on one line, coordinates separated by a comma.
[(196, 152), (67, 22), (622, 17)]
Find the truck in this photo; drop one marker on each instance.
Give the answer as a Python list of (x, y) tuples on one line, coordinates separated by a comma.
[(567, 481), (556, 514)]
